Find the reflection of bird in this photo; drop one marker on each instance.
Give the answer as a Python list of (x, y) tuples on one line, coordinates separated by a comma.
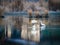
[(42, 26)]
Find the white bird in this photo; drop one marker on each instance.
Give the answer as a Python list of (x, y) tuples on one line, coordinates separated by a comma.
[(42, 26)]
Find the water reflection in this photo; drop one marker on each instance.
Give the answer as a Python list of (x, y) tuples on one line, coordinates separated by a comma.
[(23, 30), (30, 32)]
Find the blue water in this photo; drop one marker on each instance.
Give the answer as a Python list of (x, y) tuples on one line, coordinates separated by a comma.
[(25, 13), (33, 0)]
